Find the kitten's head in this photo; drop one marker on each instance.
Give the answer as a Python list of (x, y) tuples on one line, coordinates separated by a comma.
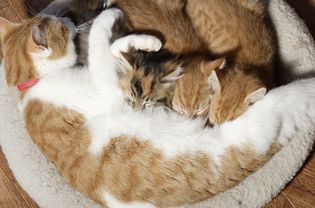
[(191, 96), (151, 78), (233, 91), (36, 47)]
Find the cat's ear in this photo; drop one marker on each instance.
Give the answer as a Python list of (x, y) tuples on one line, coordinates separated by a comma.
[(216, 64), (255, 96), (214, 83), (37, 41), (129, 59), (173, 75), (5, 26)]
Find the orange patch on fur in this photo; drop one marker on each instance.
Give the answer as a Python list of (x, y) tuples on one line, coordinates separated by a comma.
[(129, 169), (16, 47)]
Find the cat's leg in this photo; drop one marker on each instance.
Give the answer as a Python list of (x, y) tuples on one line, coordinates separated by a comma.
[(100, 37), (141, 42)]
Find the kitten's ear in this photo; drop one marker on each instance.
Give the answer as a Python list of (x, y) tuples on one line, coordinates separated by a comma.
[(209, 66), (129, 59), (214, 83), (37, 41), (173, 76), (255, 96)]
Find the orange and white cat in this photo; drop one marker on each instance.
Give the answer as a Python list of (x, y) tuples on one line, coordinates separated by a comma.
[(122, 158)]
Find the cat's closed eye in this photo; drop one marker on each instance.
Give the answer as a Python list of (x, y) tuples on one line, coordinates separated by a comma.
[(130, 101), (201, 111)]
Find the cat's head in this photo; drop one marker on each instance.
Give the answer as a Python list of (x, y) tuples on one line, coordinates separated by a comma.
[(233, 91), (36, 47), (192, 91), (150, 79)]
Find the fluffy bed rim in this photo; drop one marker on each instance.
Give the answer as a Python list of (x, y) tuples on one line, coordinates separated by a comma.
[(41, 181)]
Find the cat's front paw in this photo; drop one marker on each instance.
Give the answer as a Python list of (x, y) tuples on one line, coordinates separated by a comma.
[(141, 42), (108, 17), (144, 42)]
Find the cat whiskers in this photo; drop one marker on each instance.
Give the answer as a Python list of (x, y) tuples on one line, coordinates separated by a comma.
[(60, 13), (85, 26)]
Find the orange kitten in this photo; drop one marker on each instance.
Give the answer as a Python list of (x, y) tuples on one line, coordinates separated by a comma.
[(238, 31), (164, 19)]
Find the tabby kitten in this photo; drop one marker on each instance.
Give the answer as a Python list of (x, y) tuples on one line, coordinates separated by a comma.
[(164, 19), (238, 31), (121, 158)]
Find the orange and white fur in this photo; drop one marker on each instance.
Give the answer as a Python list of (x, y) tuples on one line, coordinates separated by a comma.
[(122, 158)]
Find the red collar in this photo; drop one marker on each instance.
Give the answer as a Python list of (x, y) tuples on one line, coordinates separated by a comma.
[(27, 85)]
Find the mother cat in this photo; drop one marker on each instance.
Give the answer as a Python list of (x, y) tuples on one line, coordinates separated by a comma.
[(78, 119)]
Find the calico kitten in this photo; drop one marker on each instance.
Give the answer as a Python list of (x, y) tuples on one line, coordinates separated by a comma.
[(122, 158), (150, 79)]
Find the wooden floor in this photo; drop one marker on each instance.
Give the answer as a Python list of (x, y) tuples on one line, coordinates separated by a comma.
[(300, 193)]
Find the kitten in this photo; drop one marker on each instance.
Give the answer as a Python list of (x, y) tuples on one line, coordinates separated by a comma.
[(122, 158), (238, 31), (164, 19), (150, 81)]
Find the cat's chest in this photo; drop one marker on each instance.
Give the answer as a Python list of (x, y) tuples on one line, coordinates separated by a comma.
[(81, 97)]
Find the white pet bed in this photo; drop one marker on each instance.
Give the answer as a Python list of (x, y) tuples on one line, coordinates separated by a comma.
[(41, 181)]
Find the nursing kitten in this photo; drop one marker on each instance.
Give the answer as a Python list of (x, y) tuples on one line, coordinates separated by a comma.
[(122, 158), (164, 19), (240, 34), (168, 20), (165, 79), (190, 95)]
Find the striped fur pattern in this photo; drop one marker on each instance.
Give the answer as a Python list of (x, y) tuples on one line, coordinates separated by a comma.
[(224, 27), (237, 30), (122, 158)]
